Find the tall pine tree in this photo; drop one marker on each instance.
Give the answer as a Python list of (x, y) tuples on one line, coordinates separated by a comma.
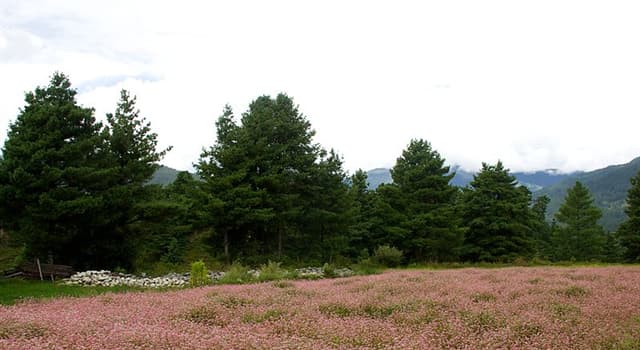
[(630, 229), (578, 235), (427, 201), (55, 176), (496, 213)]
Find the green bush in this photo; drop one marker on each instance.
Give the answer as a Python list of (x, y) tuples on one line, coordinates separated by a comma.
[(237, 274), (329, 270), (199, 274), (388, 256), (271, 272)]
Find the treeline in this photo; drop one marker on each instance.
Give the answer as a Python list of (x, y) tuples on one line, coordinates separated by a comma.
[(76, 191)]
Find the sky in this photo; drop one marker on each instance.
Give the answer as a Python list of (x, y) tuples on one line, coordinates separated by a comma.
[(537, 84)]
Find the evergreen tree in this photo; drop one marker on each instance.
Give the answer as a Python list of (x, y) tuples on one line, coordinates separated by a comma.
[(427, 201), (55, 174), (578, 235), (360, 212), (630, 229), (264, 171), (496, 212), (540, 227), (133, 150), (327, 216), (229, 202)]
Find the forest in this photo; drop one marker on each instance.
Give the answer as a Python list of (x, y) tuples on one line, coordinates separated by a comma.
[(76, 191)]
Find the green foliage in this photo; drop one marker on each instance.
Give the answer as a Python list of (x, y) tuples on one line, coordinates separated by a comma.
[(271, 272), (387, 256), (609, 187), (14, 290), (497, 216), (237, 274), (199, 274), (68, 184), (270, 188), (426, 200), (578, 235), (630, 229)]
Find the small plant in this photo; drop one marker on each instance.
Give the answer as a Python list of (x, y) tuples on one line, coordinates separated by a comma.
[(483, 297), (199, 274), (271, 272), (388, 256), (480, 321), (575, 291), (329, 270), (337, 310), (237, 274), (268, 315), (283, 284)]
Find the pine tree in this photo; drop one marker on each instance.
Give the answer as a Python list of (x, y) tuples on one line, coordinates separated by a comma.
[(496, 212), (360, 212), (630, 229), (428, 202), (55, 174), (263, 171), (541, 229), (578, 235)]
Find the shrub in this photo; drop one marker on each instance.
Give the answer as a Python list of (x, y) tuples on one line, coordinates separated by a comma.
[(237, 274), (271, 272), (388, 256), (199, 274), (329, 270)]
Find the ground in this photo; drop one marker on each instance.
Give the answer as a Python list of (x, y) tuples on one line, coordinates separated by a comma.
[(519, 307)]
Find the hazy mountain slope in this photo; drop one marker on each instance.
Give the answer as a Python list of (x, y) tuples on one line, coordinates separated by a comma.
[(534, 180), (164, 176), (608, 186)]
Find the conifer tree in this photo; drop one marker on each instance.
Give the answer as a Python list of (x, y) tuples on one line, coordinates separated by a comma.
[(578, 235), (55, 176), (427, 201), (497, 216), (630, 229)]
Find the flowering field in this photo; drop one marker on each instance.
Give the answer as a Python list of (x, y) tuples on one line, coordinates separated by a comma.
[(535, 308)]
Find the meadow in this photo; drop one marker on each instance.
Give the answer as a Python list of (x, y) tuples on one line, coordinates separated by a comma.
[(470, 308)]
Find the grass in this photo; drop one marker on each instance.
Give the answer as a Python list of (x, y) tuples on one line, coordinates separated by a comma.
[(15, 290)]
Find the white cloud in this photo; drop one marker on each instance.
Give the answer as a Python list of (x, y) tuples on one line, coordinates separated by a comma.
[(542, 84)]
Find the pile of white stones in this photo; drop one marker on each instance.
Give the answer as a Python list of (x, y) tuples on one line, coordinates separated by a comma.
[(319, 272), (107, 278)]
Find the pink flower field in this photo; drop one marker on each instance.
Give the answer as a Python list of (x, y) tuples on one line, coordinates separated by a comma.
[(508, 308)]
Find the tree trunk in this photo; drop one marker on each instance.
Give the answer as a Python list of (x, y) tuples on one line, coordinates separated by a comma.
[(226, 247), (280, 243)]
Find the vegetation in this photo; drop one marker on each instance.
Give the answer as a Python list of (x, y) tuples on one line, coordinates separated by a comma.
[(578, 235), (199, 274), (75, 191), (15, 290), (497, 216), (630, 230)]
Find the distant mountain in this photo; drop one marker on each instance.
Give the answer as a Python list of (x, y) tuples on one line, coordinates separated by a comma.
[(535, 181), (164, 176), (608, 186), (377, 177)]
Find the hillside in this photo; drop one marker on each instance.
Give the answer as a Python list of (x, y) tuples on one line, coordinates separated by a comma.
[(535, 181), (608, 186)]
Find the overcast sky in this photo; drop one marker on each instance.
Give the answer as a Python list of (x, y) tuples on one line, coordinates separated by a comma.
[(537, 84)]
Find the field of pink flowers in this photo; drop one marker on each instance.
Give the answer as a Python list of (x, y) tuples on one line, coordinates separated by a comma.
[(508, 308)]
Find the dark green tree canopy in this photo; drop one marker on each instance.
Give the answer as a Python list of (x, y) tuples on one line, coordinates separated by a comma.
[(427, 202), (578, 234), (630, 229), (68, 184), (497, 216), (55, 171)]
